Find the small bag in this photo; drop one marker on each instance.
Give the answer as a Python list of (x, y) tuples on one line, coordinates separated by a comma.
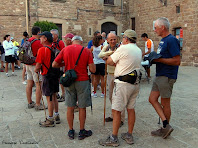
[(69, 76), (130, 78)]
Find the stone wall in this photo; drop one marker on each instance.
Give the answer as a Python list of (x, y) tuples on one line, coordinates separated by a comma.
[(146, 11)]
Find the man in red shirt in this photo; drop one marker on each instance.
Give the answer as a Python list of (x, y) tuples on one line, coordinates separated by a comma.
[(32, 77), (81, 88), (50, 84), (59, 44), (68, 38)]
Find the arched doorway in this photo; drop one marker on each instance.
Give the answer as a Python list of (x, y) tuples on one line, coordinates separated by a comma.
[(108, 27)]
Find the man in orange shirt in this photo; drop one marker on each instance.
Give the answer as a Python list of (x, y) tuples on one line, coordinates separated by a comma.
[(149, 47)]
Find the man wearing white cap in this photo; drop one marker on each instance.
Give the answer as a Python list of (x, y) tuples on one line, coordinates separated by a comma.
[(81, 88), (127, 59)]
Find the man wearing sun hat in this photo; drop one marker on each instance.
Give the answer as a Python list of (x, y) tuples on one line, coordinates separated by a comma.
[(127, 59)]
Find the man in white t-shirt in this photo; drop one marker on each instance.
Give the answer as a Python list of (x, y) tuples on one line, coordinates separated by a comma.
[(149, 47), (127, 59)]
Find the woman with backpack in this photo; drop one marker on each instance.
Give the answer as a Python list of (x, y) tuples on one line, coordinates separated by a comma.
[(9, 54)]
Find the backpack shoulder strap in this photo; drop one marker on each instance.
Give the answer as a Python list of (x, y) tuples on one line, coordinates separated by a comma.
[(79, 57)]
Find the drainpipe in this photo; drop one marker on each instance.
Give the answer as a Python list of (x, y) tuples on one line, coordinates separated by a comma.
[(121, 7), (27, 16)]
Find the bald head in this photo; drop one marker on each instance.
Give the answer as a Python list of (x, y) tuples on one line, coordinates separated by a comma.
[(112, 39)]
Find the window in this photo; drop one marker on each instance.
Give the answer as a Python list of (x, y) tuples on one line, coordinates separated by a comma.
[(133, 23), (178, 9), (89, 31), (178, 32), (110, 2)]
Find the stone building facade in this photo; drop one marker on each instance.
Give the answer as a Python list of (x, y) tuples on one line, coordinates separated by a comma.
[(84, 17)]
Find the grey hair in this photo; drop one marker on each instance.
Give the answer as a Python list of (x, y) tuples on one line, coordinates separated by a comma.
[(163, 21), (55, 31)]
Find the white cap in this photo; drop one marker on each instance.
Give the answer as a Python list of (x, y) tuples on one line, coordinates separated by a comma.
[(11, 38), (76, 37)]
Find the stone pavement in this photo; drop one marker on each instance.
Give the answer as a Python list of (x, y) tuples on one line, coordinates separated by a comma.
[(19, 125)]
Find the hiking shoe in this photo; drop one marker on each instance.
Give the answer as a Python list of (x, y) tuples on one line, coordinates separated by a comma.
[(57, 119), (108, 119), (127, 137), (110, 141), (71, 134), (167, 131), (163, 132), (76, 108), (40, 107), (83, 134), (31, 105), (94, 95), (61, 99), (102, 95), (47, 123), (121, 124), (7, 75)]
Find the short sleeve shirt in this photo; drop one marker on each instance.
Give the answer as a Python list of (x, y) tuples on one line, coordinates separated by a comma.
[(149, 44), (168, 47), (127, 58), (70, 55), (44, 56), (90, 43), (59, 45)]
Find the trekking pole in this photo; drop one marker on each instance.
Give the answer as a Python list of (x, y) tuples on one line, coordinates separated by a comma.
[(42, 96), (105, 93), (159, 121)]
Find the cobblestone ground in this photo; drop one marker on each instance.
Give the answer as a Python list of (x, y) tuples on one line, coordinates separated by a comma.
[(19, 125)]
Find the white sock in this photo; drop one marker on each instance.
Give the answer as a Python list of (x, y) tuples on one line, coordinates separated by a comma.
[(56, 114), (12, 72), (50, 117)]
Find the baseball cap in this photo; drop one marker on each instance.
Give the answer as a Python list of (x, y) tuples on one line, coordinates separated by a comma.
[(48, 35), (130, 33), (76, 37), (68, 35), (11, 38)]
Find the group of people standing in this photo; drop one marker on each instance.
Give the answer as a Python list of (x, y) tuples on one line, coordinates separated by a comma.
[(123, 64)]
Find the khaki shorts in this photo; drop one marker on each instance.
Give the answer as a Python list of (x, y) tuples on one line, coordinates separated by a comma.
[(79, 91), (164, 85), (31, 75), (124, 96)]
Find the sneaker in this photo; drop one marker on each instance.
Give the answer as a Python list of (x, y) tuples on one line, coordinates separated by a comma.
[(108, 119), (102, 95), (121, 124), (71, 134), (163, 132), (40, 107), (128, 138), (47, 123), (94, 95), (24, 82), (31, 105), (83, 134), (110, 141), (57, 119), (7, 75), (13, 74), (61, 99)]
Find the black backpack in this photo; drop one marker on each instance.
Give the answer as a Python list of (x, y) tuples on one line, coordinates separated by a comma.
[(53, 73)]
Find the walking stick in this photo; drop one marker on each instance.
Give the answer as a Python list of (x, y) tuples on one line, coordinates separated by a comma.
[(105, 93), (42, 96)]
